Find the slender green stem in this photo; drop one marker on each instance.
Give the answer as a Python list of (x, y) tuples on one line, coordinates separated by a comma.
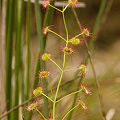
[(55, 63), (55, 8), (71, 70), (66, 7), (65, 27), (57, 35), (56, 95), (70, 111), (41, 114), (47, 97), (50, 87), (64, 61), (68, 95), (78, 35), (68, 82)]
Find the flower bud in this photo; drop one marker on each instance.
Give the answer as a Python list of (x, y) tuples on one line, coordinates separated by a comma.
[(45, 56), (87, 32), (46, 3), (45, 30), (82, 68), (73, 2), (75, 41), (67, 50), (85, 89), (32, 106), (37, 91), (43, 74), (82, 104)]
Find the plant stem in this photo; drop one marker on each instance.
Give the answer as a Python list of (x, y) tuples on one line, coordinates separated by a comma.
[(55, 63), (41, 114), (47, 97), (55, 8), (70, 111), (75, 97), (71, 70), (50, 87), (78, 35), (68, 95), (65, 27), (66, 7), (64, 61), (57, 35)]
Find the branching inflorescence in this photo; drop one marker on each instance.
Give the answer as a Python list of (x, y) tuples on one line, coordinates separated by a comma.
[(66, 51)]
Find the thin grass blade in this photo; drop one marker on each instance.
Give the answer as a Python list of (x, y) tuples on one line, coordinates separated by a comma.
[(19, 20), (10, 7)]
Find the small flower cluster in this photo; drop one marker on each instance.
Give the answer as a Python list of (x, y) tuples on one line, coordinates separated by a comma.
[(86, 32), (67, 50), (75, 41), (85, 89), (46, 3), (83, 69), (43, 74), (38, 91), (32, 106), (45, 56), (72, 2), (82, 104)]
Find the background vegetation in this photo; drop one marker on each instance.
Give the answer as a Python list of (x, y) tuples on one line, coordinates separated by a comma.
[(22, 43)]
